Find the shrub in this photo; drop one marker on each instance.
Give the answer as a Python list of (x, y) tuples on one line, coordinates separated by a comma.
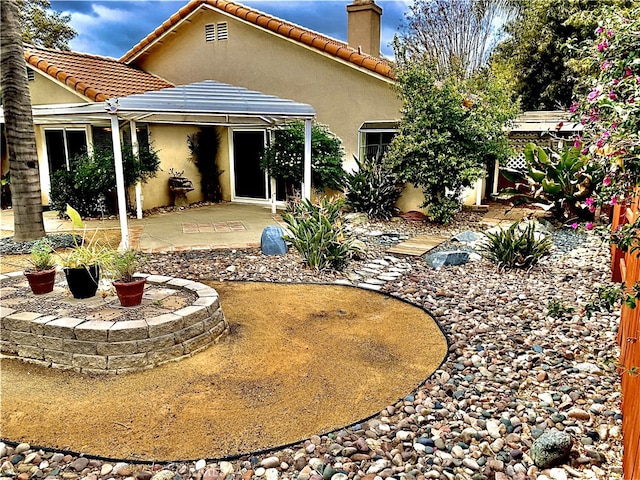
[(518, 246), (85, 186), (451, 128), (204, 147), (562, 180), (373, 188), (318, 234), (284, 157), (91, 178)]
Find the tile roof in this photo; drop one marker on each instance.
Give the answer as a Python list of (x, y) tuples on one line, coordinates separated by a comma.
[(97, 78), (307, 37)]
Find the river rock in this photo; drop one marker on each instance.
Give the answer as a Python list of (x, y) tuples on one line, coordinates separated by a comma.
[(551, 448)]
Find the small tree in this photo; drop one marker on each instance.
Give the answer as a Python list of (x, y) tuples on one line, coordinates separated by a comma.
[(450, 130), (284, 158)]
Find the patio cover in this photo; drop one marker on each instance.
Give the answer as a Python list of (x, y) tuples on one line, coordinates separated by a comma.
[(202, 103)]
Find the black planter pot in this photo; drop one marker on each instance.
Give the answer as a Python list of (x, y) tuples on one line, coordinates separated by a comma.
[(83, 281)]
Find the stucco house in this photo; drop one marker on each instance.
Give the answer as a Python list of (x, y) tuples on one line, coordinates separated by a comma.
[(218, 44)]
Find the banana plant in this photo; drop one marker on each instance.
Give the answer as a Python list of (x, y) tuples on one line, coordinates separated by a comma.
[(559, 181)]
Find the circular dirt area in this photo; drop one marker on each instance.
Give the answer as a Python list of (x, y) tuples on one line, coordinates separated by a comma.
[(300, 360)]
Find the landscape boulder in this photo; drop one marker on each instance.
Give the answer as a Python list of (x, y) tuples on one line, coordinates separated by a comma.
[(551, 449), (439, 259), (271, 241)]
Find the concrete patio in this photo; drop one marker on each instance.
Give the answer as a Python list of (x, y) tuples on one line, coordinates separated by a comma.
[(224, 225)]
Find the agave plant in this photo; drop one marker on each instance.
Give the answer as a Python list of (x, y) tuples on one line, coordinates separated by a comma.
[(519, 246), (559, 181), (373, 188)]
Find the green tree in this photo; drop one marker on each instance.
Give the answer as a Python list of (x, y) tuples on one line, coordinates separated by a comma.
[(284, 158), (540, 53), (20, 134), (450, 130), (44, 27)]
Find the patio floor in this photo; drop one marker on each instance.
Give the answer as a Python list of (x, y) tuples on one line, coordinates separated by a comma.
[(224, 225)]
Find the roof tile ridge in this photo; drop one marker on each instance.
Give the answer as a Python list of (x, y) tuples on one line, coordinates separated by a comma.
[(72, 53), (63, 77), (161, 29), (296, 32), (277, 25)]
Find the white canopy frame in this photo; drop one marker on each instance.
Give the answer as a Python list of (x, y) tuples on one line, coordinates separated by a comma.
[(207, 103)]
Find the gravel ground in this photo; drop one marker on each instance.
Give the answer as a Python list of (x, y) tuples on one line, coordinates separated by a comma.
[(513, 374)]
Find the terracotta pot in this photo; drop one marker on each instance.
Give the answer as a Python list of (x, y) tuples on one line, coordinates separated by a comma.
[(130, 293), (42, 281), (83, 281)]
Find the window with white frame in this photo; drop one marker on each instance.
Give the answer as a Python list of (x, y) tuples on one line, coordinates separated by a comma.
[(375, 138), (63, 145)]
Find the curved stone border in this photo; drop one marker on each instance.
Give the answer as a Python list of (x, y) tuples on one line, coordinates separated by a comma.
[(99, 346)]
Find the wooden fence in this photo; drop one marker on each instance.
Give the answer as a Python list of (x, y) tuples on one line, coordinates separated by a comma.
[(625, 267)]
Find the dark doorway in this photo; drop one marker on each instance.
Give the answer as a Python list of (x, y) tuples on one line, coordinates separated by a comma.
[(250, 179)]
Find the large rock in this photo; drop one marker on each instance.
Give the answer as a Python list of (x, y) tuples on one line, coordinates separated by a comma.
[(439, 259), (550, 449), (271, 241), (356, 219), (467, 237)]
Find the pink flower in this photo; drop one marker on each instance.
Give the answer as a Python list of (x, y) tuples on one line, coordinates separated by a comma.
[(574, 107), (588, 201), (605, 65), (627, 72), (593, 94), (592, 208), (600, 143), (603, 46), (577, 143), (606, 182), (574, 225), (612, 95), (584, 151), (613, 201), (599, 30), (609, 33), (589, 226)]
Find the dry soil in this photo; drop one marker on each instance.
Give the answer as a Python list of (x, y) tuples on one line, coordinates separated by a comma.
[(300, 360)]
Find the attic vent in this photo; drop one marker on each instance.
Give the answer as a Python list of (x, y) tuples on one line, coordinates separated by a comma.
[(209, 32), (223, 31), (31, 75)]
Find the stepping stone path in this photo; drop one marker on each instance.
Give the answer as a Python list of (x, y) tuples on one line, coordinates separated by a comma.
[(376, 273)]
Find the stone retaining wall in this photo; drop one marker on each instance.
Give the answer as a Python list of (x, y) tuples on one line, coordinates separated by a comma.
[(98, 346)]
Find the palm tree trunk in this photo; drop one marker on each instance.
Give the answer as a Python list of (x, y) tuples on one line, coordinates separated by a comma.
[(21, 139)]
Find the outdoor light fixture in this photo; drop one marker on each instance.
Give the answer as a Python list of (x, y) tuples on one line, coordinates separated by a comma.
[(112, 105)]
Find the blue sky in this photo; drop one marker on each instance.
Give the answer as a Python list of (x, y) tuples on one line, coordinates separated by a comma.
[(112, 27)]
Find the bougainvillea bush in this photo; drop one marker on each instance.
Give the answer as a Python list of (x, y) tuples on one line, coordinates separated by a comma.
[(610, 107)]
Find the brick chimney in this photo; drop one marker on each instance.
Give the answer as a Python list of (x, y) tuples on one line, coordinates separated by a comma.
[(364, 26)]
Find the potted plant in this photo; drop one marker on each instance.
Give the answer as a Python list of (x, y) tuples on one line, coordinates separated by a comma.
[(121, 267), (43, 275), (81, 265)]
